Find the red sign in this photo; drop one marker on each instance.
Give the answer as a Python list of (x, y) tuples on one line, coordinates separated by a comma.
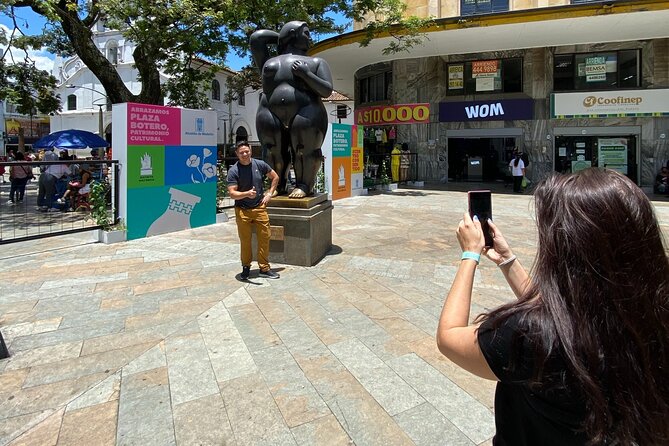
[(393, 114), (484, 68)]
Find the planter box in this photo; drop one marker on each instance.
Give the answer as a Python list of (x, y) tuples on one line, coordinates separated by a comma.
[(389, 187), (221, 217), (115, 236)]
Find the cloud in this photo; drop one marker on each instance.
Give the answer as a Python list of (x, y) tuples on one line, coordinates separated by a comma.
[(43, 59)]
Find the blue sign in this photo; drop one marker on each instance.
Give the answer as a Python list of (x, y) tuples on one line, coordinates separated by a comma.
[(495, 110)]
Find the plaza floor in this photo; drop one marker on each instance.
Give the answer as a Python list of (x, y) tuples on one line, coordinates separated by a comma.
[(157, 342)]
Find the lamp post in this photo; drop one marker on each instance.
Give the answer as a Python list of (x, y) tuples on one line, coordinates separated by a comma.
[(100, 117)]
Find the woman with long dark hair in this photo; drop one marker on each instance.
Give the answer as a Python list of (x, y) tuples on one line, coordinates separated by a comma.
[(582, 356)]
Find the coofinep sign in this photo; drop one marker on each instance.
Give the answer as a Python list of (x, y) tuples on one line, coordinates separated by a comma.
[(599, 104)]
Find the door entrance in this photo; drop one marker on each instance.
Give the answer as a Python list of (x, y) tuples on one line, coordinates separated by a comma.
[(619, 152), (479, 159)]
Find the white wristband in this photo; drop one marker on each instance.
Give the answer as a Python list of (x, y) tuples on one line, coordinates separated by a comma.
[(507, 261)]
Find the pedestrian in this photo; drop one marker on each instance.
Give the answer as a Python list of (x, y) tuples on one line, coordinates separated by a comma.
[(245, 186), (581, 357), (19, 177), (517, 166), (46, 185)]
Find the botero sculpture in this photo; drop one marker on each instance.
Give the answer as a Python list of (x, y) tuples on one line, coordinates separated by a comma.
[(291, 121)]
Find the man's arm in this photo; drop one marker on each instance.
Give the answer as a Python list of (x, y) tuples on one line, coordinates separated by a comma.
[(237, 195), (272, 175)]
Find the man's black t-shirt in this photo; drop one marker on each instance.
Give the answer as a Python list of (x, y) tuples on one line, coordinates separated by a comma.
[(530, 414), (245, 177)]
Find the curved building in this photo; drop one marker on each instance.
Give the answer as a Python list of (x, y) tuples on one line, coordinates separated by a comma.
[(570, 84)]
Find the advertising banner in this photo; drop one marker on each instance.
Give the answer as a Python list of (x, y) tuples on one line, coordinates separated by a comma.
[(341, 160), (619, 103), (168, 175), (612, 154), (456, 77), (485, 68), (393, 114), (497, 110)]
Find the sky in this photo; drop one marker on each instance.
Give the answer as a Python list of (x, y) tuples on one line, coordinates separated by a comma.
[(44, 60)]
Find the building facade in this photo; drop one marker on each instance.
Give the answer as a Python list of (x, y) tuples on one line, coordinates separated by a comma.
[(571, 84)]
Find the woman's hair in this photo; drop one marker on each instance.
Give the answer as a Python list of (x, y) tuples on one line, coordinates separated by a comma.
[(599, 295)]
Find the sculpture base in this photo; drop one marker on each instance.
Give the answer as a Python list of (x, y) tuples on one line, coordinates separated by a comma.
[(301, 229)]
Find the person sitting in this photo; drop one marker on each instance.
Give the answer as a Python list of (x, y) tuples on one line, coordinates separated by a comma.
[(79, 185), (581, 356), (662, 181)]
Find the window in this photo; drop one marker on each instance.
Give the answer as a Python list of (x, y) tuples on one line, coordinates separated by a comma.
[(597, 71), (473, 7), (242, 98), (215, 90), (478, 76), (71, 102), (377, 87), (112, 52)]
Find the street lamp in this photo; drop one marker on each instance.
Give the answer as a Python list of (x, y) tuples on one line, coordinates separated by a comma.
[(100, 117)]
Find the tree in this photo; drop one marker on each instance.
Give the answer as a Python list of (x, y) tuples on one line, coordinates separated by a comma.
[(188, 39)]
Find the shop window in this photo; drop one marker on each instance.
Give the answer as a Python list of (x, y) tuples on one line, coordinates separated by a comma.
[(71, 102), (597, 71), (241, 98), (215, 90), (473, 7), (376, 88), (493, 76)]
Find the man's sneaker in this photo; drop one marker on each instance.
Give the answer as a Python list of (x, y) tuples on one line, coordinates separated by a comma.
[(269, 274), (10, 202), (246, 271), (60, 201)]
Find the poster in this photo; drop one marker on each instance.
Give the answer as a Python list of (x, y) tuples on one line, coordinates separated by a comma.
[(612, 154), (341, 160), (169, 179), (456, 75)]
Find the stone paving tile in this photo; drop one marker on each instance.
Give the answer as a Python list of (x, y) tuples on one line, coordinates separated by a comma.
[(296, 398), (256, 332), (149, 360), (44, 434), (144, 412), (203, 421), (90, 425), (103, 392), (467, 414), (228, 354), (190, 373), (254, 417), (427, 427), (324, 430), (43, 355), (66, 335), (392, 393)]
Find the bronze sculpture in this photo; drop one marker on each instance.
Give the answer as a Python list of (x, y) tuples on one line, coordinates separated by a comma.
[(291, 121)]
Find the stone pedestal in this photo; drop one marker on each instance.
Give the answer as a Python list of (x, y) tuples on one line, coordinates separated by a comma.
[(301, 230)]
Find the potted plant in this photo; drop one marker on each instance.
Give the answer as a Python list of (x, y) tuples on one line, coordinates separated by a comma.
[(385, 179), (110, 231)]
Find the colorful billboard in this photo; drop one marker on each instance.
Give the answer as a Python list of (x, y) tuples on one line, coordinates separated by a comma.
[(168, 167)]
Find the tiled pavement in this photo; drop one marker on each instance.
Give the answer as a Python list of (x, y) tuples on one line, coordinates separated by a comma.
[(155, 341)]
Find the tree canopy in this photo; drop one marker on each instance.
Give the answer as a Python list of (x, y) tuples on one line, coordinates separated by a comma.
[(188, 40)]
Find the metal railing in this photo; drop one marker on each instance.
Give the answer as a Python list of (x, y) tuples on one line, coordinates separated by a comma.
[(27, 219)]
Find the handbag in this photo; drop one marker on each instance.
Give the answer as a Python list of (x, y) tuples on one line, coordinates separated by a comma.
[(524, 183)]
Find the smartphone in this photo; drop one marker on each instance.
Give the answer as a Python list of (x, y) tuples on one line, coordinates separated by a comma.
[(480, 204)]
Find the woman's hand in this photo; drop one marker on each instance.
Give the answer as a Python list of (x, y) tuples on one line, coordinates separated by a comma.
[(500, 250), (469, 233)]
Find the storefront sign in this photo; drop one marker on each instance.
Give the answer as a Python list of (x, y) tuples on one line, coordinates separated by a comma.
[(601, 104), (393, 114), (484, 68), (595, 69), (501, 110)]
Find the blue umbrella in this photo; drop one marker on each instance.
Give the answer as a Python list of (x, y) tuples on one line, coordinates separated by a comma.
[(70, 139)]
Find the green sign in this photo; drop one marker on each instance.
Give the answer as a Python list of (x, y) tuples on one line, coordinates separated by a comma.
[(341, 140)]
